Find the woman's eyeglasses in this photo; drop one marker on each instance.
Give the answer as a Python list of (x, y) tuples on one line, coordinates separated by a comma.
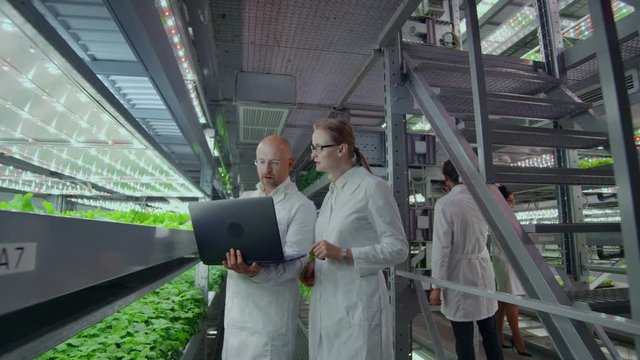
[(317, 149)]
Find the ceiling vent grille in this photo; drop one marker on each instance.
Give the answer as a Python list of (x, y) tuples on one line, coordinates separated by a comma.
[(258, 122), (593, 95)]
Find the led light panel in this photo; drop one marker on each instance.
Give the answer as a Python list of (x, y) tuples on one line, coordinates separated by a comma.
[(17, 179), (50, 116)]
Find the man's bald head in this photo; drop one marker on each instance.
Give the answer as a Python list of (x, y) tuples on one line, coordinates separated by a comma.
[(276, 141), (274, 161)]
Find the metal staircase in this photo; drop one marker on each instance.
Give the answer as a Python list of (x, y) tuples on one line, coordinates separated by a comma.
[(515, 90), (518, 95)]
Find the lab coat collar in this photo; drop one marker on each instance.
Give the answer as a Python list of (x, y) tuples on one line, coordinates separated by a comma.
[(349, 181), (458, 189), (286, 187)]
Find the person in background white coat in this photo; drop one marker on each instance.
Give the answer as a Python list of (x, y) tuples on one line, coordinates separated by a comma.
[(262, 303), (460, 255), (507, 282), (358, 234)]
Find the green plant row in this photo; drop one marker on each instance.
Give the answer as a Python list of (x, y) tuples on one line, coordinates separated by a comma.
[(605, 283), (586, 164), (157, 326), (217, 274), (166, 219), (309, 178)]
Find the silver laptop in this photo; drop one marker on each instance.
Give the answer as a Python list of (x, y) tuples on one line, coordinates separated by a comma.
[(247, 224)]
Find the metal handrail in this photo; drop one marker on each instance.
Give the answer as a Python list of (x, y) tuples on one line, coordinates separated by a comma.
[(588, 316)]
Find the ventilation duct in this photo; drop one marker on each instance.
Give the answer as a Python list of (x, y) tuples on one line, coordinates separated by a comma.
[(257, 122), (264, 102)]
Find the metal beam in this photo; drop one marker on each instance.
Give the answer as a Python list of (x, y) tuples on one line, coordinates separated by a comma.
[(566, 311), (151, 114), (361, 74), (391, 29), (606, 269), (141, 26), (623, 149), (573, 228), (429, 321), (403, 300), (550, 36), (479, 91), (122, 68), (201, 23), (573, 340)]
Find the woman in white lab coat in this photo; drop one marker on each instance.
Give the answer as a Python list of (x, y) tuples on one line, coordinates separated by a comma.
[(358, 234)]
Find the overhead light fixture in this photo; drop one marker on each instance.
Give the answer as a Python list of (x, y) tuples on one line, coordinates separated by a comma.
[(182, 52), (52, 117), (541, 161), (22, 180), (583, 28), (514, 29)]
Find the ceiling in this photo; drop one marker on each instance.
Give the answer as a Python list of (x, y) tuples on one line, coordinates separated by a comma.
[(323, 46)]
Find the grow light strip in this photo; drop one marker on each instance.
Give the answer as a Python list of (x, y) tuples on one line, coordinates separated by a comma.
[(550, 216), (181, 52), (542, 161), (520, 24), (111, 204), (22, 180), (583, 28)]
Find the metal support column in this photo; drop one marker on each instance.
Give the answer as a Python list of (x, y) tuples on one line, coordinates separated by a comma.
[(201, 279), (625, 155), (403, 299), (429, 321), (479, 89), (550, 36), (59, 202), (570, 206), (454, 10)]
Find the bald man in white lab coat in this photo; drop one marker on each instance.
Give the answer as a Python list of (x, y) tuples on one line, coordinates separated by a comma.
[(262, 303), (460, 255)]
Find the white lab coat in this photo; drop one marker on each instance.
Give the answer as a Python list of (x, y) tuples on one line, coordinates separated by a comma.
[(506, 279), (261, 312), (460, 255), (350, 316)]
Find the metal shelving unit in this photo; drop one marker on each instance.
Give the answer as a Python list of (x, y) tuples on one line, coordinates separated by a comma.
[(65, 274)]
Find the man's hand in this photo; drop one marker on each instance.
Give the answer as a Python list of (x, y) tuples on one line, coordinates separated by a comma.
[(307, 276), (325, 250), (434, 297), (235, 263)]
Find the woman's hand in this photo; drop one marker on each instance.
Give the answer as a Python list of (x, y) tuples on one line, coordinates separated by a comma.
[(307, 276), (325, 250)]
